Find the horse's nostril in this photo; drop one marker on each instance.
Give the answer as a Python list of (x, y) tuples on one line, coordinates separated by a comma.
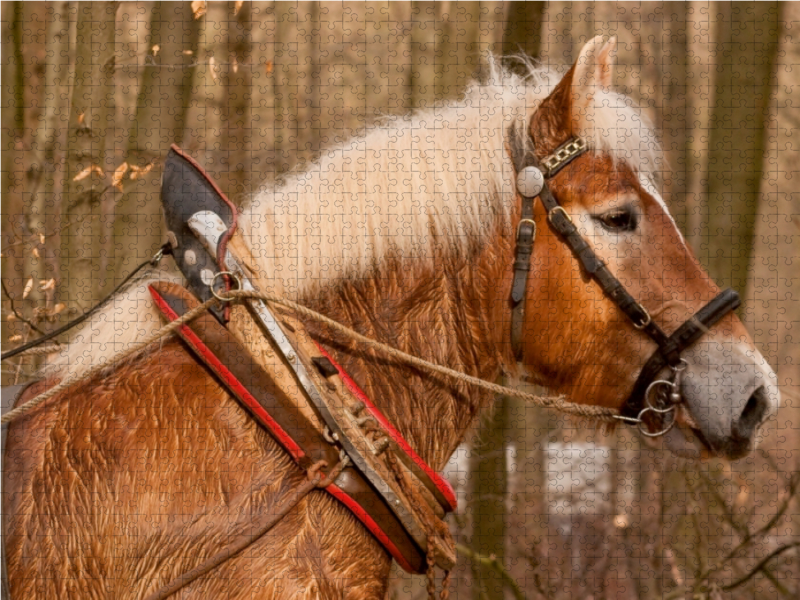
[(752, 415)]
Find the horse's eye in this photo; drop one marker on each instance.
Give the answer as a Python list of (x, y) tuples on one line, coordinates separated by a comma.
[(619, 219)]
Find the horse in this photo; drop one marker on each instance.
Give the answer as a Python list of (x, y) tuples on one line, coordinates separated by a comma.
[(407, 235)]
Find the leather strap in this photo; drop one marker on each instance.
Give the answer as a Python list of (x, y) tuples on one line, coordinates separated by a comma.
[(185, 190), (222, 353), (686, 335), (526, 234)]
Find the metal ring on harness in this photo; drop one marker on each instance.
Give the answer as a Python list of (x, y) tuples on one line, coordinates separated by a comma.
[(673, 401), (230, 274), (661, 411)]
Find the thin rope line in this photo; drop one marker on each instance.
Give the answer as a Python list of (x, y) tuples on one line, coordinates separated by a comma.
[(167, 329), (599, 413), (557, 402), (42, 350)]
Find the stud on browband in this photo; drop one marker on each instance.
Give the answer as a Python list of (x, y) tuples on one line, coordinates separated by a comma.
[(530, 182)]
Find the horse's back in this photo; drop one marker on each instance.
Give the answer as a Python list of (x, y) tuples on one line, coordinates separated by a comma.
[(124, 481)]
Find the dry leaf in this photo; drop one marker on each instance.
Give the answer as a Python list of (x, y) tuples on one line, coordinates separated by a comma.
[(268, 67), (35, 252), (28, 288), (156, 48), (47, 285), (59, 307), (11, 317), (213, 68), (88, 171), (137, 172), (119, 173), (41, 238), (237, 7), (198, 8), (15, 338), (81, 117), (187, 52), (235, 65)]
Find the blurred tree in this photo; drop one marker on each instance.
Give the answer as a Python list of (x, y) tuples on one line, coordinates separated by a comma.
[(12, 123), (489, 478), (699, 76), (90, 121), (47, 166), (160, 121), (236, 111), (523, 33), (773, 309), (747, 42)]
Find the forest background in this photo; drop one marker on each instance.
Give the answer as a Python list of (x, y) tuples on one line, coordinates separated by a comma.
[(94, 93)]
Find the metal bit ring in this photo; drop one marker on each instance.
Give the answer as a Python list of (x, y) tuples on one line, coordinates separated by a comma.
[(230, 274)]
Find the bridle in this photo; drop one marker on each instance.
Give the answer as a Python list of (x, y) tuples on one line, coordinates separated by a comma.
[(653, 413)]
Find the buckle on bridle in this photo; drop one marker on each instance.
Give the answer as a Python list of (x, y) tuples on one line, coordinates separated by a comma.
[(560, 209), (646, 321), (532, 224)]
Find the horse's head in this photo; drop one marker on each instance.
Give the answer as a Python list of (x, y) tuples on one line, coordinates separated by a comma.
[(577, 340)]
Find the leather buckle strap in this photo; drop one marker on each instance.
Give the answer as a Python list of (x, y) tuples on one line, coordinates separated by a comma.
[(530, 184), (684, 337)]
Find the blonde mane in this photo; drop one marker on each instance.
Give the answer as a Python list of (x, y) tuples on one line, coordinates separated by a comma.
[(442, 176)]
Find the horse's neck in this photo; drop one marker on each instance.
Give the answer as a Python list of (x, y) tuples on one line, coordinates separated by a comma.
[(449, 315)]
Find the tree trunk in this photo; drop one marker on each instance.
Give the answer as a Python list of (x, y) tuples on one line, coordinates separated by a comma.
[(774, 284), (424, 54), (747, 44), (263, 117), (47, 166), (296, 92), (236, 114), (12, 123), (205, 123), (160, 120), (523, 33), (700, 73), (489, 475), (89, 121)]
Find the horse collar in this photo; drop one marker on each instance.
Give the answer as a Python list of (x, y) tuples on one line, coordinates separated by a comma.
[(650, 410)]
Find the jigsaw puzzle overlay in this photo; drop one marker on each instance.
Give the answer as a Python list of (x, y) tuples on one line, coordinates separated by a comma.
[(445, 183)]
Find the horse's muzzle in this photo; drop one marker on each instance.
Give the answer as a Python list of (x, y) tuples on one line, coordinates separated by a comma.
[(730, 392)]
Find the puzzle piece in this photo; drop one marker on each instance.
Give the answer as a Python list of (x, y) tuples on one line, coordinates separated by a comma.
[(373, 150)]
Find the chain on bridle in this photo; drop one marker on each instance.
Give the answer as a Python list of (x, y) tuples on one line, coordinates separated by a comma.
[(652, 405)]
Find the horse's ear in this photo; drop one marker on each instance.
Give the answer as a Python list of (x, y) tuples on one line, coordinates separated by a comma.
[(565, 112)]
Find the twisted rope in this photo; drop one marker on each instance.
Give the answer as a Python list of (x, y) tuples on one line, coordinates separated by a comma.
[(41, 350), (103, 365), (599, 413)]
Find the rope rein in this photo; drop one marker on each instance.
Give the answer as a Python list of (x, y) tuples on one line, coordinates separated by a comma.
[(599, 413)]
